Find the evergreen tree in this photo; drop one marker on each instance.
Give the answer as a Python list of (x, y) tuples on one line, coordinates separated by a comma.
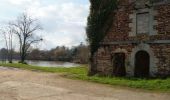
[(99, 22)]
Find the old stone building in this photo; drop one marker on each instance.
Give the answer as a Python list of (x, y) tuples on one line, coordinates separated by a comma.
[(138, 43)]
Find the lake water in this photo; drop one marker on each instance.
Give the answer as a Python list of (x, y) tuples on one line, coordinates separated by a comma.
[(49, 63), (52, 64)]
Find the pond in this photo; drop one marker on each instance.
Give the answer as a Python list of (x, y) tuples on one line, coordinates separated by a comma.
[(48, 63), (52, 63)]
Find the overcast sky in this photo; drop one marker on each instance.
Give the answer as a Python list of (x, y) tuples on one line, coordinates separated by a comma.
[(63, 21)]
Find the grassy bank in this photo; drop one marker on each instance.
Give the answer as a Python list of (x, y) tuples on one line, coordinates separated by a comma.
[(81, 73)]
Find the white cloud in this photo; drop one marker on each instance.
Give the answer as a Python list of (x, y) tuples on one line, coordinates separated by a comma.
[(18, 2), (63, 21)]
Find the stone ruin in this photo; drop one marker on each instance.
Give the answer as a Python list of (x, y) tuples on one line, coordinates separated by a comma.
[(138, 42)]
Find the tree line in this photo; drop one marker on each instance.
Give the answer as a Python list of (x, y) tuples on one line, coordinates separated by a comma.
[(77, 54)]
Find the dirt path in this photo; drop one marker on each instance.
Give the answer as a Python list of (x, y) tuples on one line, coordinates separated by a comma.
[(18, 84)]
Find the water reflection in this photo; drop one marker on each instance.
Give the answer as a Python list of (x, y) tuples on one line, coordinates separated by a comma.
[(52, 64), (47, 63)]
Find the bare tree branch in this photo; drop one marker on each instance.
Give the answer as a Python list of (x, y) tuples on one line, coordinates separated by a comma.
[(25, 28)]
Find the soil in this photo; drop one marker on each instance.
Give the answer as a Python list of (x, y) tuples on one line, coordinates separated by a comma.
[(16, 84)]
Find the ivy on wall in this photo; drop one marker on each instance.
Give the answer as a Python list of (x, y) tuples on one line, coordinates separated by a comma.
[(99, 21)]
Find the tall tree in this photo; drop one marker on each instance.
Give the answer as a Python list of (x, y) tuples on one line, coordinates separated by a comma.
[(25, 27), (99, 22)]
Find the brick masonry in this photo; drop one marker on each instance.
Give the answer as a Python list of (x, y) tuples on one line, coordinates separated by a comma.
[(123, 38)]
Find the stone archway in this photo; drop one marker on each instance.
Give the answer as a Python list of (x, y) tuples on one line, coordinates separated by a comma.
[(142, 64), (153, 69)]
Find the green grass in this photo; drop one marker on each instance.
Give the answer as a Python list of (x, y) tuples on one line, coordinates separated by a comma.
[(81, 74), (73, 70)]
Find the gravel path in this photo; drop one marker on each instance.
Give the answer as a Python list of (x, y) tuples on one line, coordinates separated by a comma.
[(18, 84)]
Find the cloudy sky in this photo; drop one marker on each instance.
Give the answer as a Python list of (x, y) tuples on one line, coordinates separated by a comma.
[(63, 21)]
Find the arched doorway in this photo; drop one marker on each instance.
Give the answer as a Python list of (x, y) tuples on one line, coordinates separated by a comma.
[(142, 64), (119, 64)]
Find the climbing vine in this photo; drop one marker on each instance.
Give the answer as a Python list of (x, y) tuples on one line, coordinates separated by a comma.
[(99, 20)]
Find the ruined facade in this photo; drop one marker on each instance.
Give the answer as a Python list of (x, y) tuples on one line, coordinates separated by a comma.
[(138, 43)]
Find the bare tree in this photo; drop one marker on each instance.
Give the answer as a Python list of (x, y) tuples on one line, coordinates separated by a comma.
[(7, 33), (25, 27), (82, 54)]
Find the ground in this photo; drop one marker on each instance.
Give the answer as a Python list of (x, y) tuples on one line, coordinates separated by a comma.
[(16, 84)]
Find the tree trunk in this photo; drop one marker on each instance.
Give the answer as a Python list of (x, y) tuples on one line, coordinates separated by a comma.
[(22, 59), (92, 67)]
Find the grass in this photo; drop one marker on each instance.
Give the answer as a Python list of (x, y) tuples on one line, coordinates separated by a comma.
[(81, 74)]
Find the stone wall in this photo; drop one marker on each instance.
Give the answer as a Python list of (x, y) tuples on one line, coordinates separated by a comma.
[(162, 53), (104, 65), (163, 19)]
